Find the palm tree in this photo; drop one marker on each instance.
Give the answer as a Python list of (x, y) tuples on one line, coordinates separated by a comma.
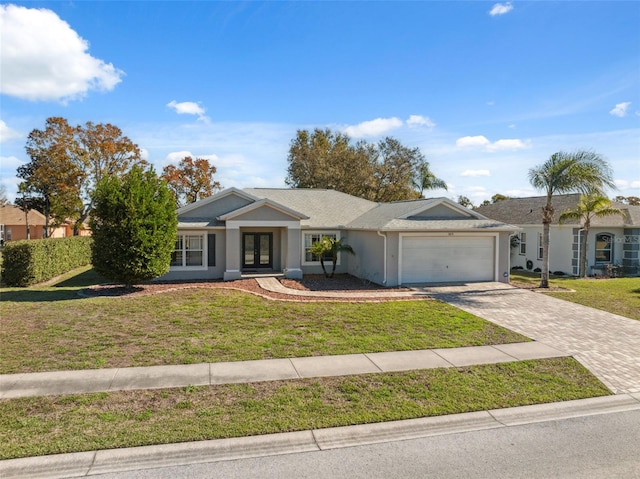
[(589, 207), (582, 171), (426, 180), (329, 245)]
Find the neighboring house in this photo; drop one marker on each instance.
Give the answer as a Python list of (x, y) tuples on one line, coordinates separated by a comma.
[(13, 224), (236, 232), (612, 240)]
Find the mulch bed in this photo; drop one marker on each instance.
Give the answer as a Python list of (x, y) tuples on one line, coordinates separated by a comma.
[(536, 288), (309, 283)]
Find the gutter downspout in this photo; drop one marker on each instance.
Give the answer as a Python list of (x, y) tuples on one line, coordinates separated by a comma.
[(384, 236)]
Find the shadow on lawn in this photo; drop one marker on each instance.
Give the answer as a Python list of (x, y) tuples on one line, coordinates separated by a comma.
[(62, 291)]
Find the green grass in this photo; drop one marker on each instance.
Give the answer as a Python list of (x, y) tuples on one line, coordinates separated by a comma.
[(51, 328), (60, 424), (616, 295)]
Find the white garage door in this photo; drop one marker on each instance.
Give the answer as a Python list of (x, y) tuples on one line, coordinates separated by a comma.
[(447, 259)]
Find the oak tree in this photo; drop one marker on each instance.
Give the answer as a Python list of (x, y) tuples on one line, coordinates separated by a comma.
[(191, 180)]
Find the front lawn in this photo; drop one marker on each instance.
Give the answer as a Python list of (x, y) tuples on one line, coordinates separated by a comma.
[(81, 422), (51, 328), (616, 295)]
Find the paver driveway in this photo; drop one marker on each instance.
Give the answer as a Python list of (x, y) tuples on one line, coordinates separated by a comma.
[(607, 344)]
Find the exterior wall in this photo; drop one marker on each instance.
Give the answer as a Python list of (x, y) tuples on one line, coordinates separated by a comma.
[(564, 248), (264, 214), (368, 262), (631, 251), (211, 272), (19, 232), (504, 257)]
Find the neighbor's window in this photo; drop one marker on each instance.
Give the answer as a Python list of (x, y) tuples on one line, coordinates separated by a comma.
[(604, 248), (189, 251), (309, 239), (523, 243), (540, 246)]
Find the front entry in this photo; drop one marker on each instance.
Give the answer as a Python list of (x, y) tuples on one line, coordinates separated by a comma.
[(257, 251)]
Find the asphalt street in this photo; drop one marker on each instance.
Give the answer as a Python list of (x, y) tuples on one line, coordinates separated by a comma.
[(596, 446)]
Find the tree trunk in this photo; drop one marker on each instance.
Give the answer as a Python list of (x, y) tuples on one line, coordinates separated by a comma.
[(547, 217), (583, 253)]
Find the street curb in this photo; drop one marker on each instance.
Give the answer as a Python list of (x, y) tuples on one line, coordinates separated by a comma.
[(146, 457)]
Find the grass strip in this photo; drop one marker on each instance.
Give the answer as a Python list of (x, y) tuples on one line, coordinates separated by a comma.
[(62, 424), (615, 295), (214, 325)]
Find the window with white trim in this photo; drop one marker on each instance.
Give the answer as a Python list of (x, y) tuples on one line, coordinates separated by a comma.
[(523, 243), (604, 248), (540, 246), (189, 251), (314, 237)]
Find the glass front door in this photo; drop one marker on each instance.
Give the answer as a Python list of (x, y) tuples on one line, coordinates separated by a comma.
[(257, 250)]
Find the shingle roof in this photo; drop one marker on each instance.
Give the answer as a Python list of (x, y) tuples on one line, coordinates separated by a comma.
[(13, 215), (528, 211), (331, 209), (325, 208)]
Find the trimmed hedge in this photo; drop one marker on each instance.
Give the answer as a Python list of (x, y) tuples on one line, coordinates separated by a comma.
[(29, 262)]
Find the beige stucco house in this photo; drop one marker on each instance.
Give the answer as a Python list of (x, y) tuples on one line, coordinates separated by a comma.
[(238, 232), (612, 240)]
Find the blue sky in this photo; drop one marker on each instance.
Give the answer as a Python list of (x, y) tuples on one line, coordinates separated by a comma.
[(486, 90)]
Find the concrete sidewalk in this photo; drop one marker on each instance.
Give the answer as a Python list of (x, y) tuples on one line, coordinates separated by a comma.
[(205, 374)]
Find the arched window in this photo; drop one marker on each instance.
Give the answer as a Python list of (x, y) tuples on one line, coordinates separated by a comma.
[(604, 248)]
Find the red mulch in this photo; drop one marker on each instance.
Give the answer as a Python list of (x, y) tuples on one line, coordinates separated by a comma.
[(309, 283)]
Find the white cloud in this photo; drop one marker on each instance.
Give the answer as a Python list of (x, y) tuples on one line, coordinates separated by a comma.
[(512, 144), (419, 120), (481, 141), (186, 108), (621, 109), (375, 127), (626, 184), (501, 9), (7, 133), (472, 141), (43, 58), (475, 173), (9, 163)]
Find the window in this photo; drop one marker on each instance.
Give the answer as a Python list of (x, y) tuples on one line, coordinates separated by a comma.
[(523, 243), (540, 246), (604, 248), (309, 239), (189, 251)]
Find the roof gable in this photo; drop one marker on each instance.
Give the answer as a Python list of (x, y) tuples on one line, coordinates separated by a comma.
[(263, 210), (219, 204), (441, 209)]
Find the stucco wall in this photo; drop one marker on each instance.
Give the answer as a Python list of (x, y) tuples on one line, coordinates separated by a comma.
[(211, 272)]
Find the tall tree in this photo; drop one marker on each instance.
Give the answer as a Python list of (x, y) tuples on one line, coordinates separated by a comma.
[(426, 180), (53, 174), (628, 200), (134, 227), (324, 159), (464, 201), (67, 162), (102, 150), (590, 206), (386, 171), (582, 171), (191, 180)]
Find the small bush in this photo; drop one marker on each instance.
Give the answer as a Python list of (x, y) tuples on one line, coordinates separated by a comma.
[(558, 273), (29, 262), (537, 270), (517, 268)]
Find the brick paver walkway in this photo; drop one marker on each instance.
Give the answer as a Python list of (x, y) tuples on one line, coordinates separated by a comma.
[(607, 344)]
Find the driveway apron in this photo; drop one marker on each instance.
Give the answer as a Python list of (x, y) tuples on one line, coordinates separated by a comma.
[(607, 344)]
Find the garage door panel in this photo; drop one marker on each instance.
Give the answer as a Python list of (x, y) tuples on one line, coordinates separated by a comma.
[(447, 259)]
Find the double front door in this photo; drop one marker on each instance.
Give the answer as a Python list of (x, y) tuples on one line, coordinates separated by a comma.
[(257, 250)]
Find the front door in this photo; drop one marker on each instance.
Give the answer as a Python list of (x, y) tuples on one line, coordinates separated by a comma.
[(257, 250)]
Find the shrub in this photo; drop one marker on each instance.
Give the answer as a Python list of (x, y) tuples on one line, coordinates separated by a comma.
[(134, 226), (558, 273), (28, 262), (537, 270)]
